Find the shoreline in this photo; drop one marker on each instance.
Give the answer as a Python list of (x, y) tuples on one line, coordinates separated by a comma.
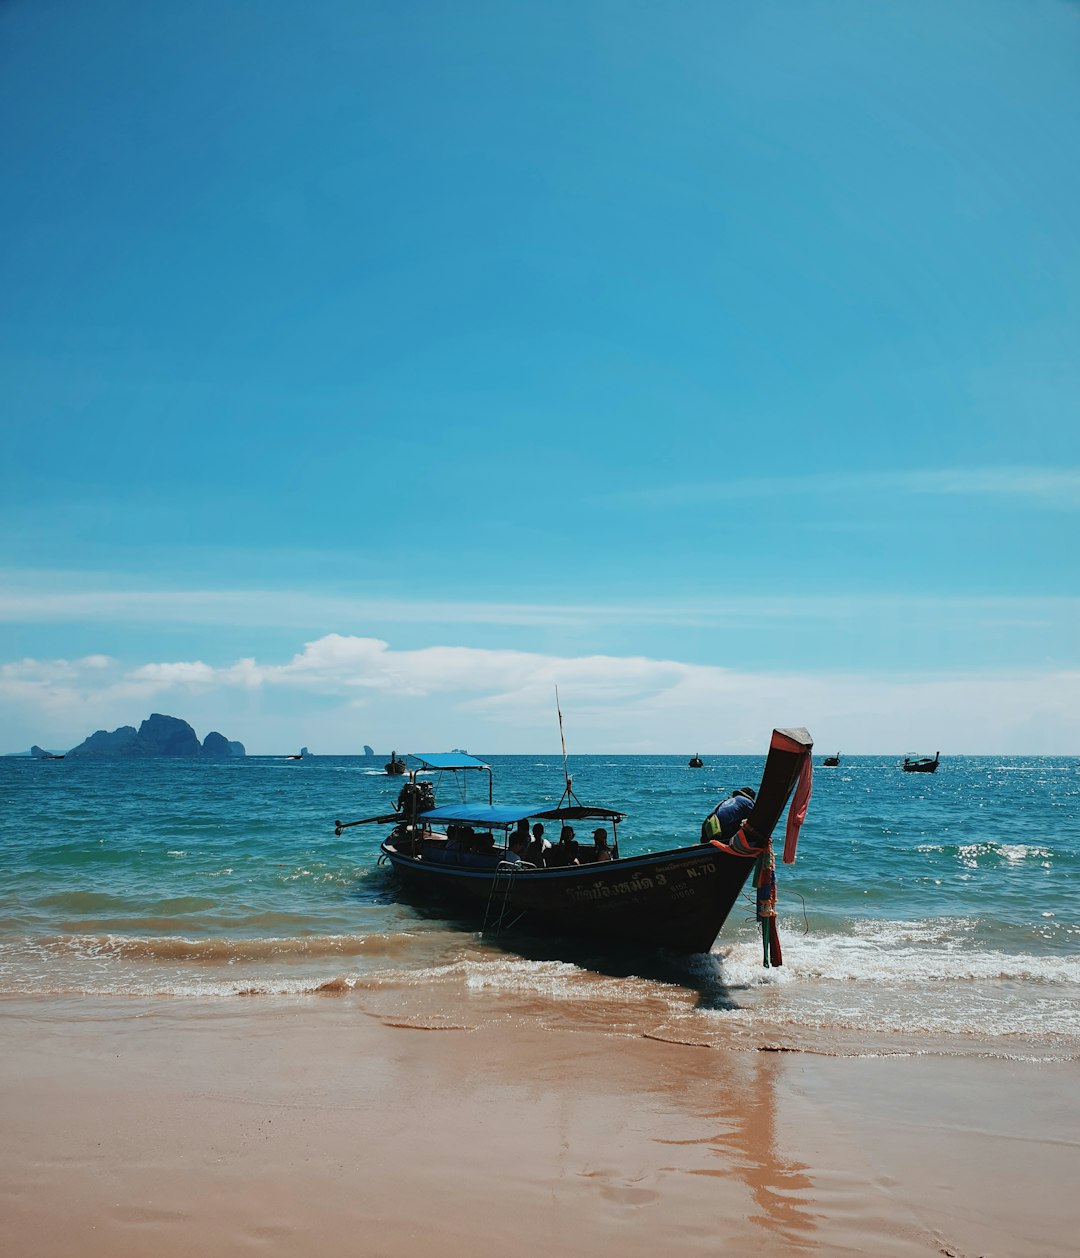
[(309, 1126)]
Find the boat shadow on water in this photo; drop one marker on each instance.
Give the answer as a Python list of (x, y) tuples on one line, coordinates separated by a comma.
[(701, 973)]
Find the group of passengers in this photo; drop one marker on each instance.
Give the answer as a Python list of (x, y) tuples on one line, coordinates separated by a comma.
[(721, 825), (466, 839), (534, 849), (525, 848)]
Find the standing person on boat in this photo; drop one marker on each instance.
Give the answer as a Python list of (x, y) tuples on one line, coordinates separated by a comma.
[(601, 851), (539, 847), (728, 815), (565, 852)]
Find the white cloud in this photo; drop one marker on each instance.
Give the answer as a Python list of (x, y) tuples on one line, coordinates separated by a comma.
[(50, 672), (166, 676), (503, 700)]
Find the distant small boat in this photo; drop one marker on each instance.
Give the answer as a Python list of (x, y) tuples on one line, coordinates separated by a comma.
[(49, 756), (927, 764), (830, 762), (696, 762), (394, 766)]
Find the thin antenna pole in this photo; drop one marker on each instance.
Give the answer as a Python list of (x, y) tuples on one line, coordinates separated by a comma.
[(562, 739)]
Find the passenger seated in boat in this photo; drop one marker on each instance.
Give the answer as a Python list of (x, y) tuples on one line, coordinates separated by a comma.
[(600, 850), (483, 843), (467, 838), (536, 852), (461, 839), (515, 848), (453, 839), (728, 815), (565, 852)]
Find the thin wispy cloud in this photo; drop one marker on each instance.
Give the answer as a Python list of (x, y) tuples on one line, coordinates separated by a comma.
[(1050, 487), (34, 598)]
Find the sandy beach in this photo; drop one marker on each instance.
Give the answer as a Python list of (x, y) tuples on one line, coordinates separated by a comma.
[(312, 1127)]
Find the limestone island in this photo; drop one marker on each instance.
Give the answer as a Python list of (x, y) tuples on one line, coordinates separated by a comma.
[(158, 735)]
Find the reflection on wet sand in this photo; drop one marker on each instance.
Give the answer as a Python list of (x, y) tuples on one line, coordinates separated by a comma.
[(745, 1146)]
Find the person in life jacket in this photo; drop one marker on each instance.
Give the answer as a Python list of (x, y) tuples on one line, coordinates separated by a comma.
[(728, 815)]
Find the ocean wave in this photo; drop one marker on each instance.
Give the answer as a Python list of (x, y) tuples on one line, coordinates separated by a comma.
[(898, 955), (970, 853), (227, 951), (177, 987)]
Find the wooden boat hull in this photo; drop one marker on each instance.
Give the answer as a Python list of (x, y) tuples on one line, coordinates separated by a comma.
[(677, 899)]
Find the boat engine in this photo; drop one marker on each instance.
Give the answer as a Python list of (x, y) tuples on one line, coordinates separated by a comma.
[(415, 798)]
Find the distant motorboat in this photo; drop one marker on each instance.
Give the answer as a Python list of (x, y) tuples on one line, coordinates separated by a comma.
[(696, 762), (926, 764), (395, 766), (830, 762)]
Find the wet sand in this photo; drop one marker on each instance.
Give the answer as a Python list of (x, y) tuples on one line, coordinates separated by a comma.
[(275, 1127)]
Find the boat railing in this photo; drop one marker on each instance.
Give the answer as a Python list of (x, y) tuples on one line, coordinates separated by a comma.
[(502, 885)]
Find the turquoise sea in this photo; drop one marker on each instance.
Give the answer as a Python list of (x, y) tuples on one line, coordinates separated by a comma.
[(925, 912)]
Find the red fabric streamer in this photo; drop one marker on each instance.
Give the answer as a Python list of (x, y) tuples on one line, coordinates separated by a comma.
[(797, 812), (776, 956)]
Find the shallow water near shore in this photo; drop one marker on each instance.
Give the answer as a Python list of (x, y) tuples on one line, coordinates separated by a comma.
[(925, 913)]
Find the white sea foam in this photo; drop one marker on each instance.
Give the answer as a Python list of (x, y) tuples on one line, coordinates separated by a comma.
[(912, 978), (928, 951)]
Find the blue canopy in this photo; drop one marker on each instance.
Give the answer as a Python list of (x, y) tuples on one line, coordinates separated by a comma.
[(450, 760), (484, 814)]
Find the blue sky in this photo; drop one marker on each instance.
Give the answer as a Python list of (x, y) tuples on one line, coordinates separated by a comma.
[(367, 370)]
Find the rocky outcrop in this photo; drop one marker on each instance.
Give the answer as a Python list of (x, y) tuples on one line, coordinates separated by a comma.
[(120, 742), (169, 736), (237, 749), (216, 746), (158, 735)]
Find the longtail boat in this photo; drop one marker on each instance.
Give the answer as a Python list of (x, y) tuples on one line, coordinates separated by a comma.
[(676, 899), (928, 764)]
